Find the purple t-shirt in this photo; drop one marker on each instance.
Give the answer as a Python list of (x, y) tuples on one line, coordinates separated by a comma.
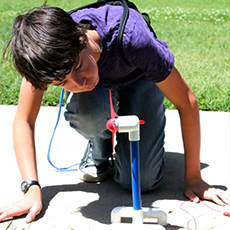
[(146, 54)]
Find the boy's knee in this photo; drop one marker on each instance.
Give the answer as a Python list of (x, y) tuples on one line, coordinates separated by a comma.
[(148, 180)]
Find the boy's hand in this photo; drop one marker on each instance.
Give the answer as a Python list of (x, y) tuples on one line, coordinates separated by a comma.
[(197, 188), (31, 204)]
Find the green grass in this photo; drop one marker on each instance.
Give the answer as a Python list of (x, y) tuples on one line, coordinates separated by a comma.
[(196, 31), (12, 227), (200, 42)]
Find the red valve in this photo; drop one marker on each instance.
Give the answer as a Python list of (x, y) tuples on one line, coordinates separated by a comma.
[(111, 125), (111, 122), (142, 122)]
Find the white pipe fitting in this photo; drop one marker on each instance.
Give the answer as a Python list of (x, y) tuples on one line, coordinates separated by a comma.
[(129, 124)]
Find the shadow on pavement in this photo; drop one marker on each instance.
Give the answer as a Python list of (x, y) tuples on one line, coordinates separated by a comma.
[(112, 195)]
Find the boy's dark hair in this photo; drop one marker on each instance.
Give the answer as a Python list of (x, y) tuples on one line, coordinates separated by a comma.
[(45, 45)]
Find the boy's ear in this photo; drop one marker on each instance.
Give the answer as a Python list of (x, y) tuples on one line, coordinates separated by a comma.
[(87, 39)]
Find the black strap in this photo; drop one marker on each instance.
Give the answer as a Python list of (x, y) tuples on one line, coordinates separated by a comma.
[(124, 19)]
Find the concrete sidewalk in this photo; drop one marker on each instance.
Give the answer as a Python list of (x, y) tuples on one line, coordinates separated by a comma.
[(71, 204)]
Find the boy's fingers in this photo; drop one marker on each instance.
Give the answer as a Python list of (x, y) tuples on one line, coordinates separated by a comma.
[(217, 200), (32, 214), (34, 211), (220, 197), (5, 212), (225, 196), (9, 213), (3, 216), (191, 196), (29, 217)]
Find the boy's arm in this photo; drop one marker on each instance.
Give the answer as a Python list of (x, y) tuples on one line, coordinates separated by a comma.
[(180, 94), (23, 130), (23, 138)]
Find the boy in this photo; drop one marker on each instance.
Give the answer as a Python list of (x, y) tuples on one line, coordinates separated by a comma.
[(79, 53)]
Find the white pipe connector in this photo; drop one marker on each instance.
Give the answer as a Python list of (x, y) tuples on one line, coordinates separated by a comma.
[(129, 124)]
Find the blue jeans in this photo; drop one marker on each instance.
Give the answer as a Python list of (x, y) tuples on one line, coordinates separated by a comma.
[(88, 113)]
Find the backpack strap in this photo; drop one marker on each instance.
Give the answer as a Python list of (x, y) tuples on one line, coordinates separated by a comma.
[(124, 19)]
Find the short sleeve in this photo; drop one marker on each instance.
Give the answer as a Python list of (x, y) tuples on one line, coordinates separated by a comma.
[(149, 53)]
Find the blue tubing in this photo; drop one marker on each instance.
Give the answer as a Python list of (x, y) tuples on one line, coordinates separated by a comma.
[(51, 140), (135, 172)]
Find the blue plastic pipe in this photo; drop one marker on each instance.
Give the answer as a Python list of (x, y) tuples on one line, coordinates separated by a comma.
[(135, 173)]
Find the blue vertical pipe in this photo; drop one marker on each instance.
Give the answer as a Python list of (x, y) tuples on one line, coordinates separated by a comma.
[(135, 172)]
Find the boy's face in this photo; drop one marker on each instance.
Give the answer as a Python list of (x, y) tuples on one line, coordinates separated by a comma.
[(83, 77)]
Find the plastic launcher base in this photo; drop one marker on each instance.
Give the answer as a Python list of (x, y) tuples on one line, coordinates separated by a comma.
[(156, 216)]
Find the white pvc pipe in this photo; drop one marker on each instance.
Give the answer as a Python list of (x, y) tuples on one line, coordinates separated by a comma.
[(131, 124)]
